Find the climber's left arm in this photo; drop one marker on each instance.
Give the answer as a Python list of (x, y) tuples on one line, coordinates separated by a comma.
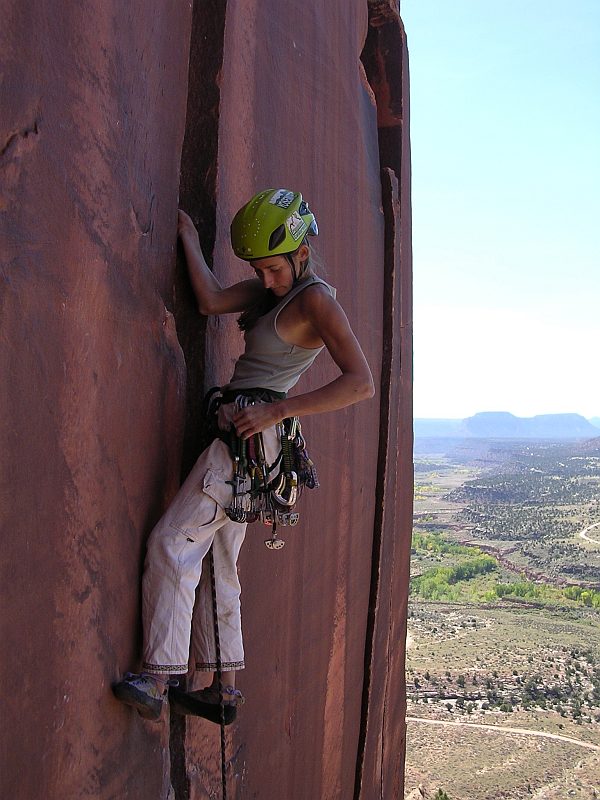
[(329, 323)]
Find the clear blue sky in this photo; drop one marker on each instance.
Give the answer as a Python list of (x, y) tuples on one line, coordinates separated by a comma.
[(505, 130)]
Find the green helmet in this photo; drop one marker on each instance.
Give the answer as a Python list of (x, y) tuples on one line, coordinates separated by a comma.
[(272, 223)]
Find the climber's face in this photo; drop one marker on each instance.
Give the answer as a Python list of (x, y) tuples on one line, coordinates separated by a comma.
[(275, 272)]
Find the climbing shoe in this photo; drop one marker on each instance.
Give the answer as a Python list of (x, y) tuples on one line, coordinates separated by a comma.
[(206, 703), (144, 693)]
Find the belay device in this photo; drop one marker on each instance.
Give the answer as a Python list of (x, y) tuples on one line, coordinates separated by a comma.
[(257, 496)]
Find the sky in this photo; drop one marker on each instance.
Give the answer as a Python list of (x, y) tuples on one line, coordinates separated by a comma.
[(505, 136)]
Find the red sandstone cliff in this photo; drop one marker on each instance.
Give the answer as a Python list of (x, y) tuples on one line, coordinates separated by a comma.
[(101, 128)]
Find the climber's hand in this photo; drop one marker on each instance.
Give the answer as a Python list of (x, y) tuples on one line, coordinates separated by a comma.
[(186, 228), (256, 418)]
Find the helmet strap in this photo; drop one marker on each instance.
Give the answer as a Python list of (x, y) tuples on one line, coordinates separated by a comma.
[(293, 266)]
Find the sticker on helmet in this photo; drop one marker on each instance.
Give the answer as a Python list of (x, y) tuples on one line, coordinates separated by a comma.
[(282, 198), (296, 225)]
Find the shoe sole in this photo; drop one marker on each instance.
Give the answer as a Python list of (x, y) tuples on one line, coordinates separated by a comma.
[(145, 706), (184, 704)]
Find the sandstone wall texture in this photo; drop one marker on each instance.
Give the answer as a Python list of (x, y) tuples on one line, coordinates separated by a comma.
[(112, 114)]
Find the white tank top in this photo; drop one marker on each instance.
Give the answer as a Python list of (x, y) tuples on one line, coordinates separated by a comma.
[(268, 362)]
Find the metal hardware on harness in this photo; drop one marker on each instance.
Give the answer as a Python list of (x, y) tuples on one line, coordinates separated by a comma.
[(274, 544), (237, 510), (254, 496), (285, 491)]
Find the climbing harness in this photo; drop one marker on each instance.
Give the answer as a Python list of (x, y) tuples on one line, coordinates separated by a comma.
[(263, 491), (257, 496)]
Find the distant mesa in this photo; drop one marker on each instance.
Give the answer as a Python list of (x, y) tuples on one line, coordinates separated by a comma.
[(439, 427), (503, 425)]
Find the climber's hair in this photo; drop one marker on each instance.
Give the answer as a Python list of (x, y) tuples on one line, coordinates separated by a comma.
[(248, 319)]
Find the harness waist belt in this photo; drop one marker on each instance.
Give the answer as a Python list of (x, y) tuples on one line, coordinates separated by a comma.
[(266, 395)]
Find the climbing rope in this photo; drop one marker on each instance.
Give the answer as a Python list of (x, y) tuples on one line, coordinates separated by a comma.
[(213, 586)]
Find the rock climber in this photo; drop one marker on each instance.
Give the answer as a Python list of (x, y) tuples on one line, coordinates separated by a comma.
[(288, 315)]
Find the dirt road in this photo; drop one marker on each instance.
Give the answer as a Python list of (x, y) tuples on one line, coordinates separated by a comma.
[(504, 729), (583, 533)]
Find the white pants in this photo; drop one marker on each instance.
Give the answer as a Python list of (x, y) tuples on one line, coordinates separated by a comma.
[(173, 611)]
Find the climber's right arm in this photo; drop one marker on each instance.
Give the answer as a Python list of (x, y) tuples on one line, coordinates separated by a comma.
[(212, 297)]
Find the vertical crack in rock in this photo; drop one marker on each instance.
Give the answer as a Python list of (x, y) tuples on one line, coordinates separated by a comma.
[(198, 198), (198, 195), (387, 470), (180, 783), (382, 479), (382, 59)]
